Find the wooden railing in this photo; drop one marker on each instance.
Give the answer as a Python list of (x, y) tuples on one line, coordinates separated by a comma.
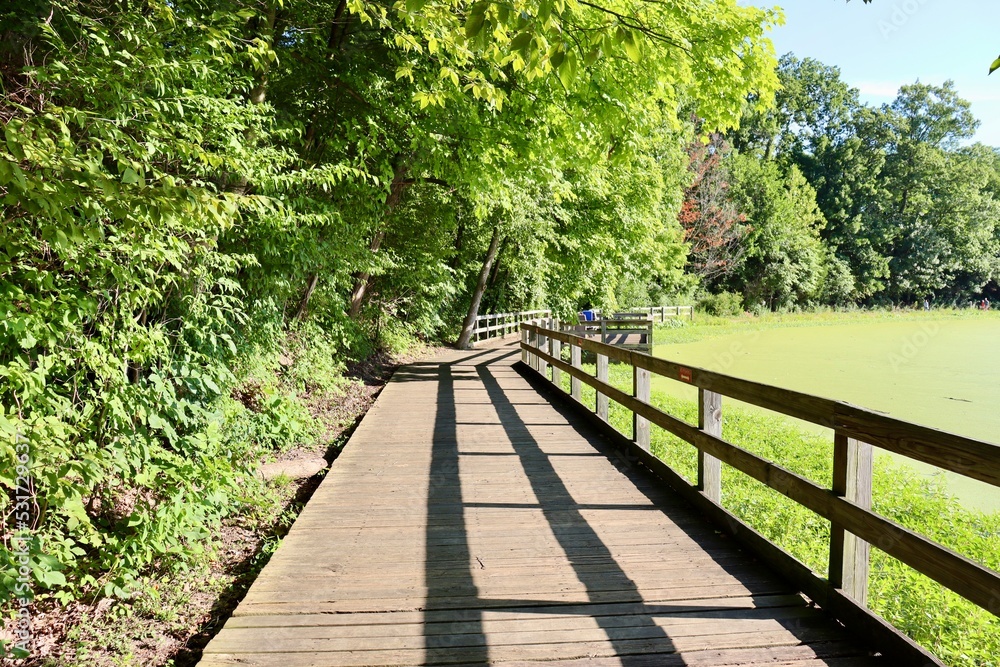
[(619, 329), (631, 330), (668, 311), (847, 505), (496, 325)]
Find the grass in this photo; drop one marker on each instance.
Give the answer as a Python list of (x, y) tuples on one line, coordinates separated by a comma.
[(959, 632)]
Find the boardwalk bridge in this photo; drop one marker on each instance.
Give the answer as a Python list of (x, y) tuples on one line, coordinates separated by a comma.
[(481, 514)]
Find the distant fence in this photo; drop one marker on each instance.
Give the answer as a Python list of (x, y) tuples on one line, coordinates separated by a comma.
[(847, 504), (633, 331), (667, 311), (498, 325), (658, 313)]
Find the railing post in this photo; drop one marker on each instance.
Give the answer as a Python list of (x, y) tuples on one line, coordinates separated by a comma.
[(533, 345), (602, 375), (575, 360), (524, 341), (604, 330), (710, 422), (640, 390), (852, 479), (556, 371), (543, 345)]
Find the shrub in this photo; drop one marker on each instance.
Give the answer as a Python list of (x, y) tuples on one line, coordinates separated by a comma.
[(722, 304)]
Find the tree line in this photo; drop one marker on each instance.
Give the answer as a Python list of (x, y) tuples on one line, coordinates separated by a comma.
[(822, 199)]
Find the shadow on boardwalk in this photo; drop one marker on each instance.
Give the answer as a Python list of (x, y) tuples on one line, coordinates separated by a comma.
[(471, 521)]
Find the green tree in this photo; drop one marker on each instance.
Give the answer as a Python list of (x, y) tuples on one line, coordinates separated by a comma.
[(118, 307), (783, 265), (819, 125)]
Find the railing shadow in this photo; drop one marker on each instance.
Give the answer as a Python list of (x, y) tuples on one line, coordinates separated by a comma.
[(455, 611), (447, 633), (579, 541)]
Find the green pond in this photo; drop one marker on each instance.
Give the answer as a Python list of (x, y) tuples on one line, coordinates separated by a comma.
[(941, 373)]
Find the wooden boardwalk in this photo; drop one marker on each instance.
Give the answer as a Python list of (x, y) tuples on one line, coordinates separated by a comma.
[(470, 521)]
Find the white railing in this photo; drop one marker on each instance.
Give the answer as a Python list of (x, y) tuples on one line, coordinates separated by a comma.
[(667, 311), (498, 325)]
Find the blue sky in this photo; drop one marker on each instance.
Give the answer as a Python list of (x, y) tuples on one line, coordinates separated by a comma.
[(879, 47)]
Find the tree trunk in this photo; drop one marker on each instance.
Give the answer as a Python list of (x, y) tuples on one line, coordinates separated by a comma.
[(465, 338), (304, 303), (392, 200), (496, 263), (334, 43)]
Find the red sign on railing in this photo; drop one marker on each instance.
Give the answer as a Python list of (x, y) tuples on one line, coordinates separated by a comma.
[(685, 374)]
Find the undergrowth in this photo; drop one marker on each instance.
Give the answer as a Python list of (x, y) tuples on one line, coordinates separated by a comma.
[(111, 522)]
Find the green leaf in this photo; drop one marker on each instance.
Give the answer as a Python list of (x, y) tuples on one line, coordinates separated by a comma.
[(474, 25), (52, 578), (521, 41), (28, 341), (632, 49), (567, 71), (544, 10), (556, 58), (995, 66), (130, 177), (415, 5)]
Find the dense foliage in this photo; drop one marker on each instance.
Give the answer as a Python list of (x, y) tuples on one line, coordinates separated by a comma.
[(908, 209)]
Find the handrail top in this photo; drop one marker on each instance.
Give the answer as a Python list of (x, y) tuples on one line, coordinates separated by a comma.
[(517, 314), (621, 320), (960, 454)]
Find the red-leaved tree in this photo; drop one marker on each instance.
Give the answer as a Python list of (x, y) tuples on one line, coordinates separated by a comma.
[(713, 226)]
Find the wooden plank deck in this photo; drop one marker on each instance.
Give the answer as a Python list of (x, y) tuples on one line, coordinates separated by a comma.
[(468, 521)]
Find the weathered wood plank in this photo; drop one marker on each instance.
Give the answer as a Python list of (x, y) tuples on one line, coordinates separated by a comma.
[(469, 522), (852, 480), (709, 467), (829, 654), (514, 614)]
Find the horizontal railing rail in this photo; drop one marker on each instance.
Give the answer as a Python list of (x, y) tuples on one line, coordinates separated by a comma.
[(617, 330), (846, 504), (487, 326), (668, 311)]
